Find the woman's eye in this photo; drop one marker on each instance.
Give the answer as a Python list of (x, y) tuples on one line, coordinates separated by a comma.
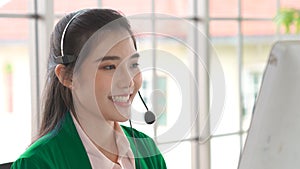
[(135, 65), (109, 67)]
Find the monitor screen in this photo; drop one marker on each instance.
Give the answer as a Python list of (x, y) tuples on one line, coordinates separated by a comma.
[(273, 141)]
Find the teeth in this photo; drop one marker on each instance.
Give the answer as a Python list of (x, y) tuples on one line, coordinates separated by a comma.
[(120, 98)]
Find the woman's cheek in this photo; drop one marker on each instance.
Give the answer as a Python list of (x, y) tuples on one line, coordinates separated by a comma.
[(138, 80)]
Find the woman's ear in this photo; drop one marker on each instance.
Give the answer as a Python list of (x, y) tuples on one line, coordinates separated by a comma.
[(63, 76)]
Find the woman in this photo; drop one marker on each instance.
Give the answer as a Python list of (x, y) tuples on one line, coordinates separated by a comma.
[(93, 76)]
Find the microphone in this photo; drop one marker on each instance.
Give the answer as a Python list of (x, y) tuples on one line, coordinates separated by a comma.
[(149, 116)]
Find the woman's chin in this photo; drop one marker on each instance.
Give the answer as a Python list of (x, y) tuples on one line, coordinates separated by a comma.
[(124, 113), (124, 117)]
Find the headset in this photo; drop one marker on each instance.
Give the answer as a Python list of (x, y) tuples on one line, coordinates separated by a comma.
[(149, 116)]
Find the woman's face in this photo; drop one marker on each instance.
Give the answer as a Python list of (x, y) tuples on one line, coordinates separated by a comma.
[(117, 79)]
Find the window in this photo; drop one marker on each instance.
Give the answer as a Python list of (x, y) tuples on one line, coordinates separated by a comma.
[(15, 77)]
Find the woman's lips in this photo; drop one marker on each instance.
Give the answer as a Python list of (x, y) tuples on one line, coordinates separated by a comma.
[(121, 100)]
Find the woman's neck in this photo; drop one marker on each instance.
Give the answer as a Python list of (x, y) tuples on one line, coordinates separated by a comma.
[(110, 154), (109, 146), (101, 133)]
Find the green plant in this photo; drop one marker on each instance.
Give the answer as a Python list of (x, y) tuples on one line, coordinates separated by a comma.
[(297, 21), (287, 18)]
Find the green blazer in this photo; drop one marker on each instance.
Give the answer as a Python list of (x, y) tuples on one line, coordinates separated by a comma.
[(62, 149)]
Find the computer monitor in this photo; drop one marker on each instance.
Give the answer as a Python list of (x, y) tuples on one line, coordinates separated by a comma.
[(273, 141)]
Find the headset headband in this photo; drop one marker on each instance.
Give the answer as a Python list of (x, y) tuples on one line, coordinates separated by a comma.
[(63, 59)]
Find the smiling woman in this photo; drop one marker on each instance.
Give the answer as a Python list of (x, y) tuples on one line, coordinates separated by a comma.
[(93, 76)]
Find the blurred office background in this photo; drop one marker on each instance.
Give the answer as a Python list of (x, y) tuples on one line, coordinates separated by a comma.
[(241, 33)]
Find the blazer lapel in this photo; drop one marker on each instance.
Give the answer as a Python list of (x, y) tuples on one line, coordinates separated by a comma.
[(73, 151)]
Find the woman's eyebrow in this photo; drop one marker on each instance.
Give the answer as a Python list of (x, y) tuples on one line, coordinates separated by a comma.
[(108, 58), (136, 55), (105, 58)]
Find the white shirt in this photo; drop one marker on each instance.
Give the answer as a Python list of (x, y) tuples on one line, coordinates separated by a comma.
[(98, 159)]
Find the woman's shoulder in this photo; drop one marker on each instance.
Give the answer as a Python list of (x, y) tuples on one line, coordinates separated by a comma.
[(130, 131), (36, 152), (145, 145), (140, 139)]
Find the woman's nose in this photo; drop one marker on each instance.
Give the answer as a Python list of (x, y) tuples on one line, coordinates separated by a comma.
[(124, 77)]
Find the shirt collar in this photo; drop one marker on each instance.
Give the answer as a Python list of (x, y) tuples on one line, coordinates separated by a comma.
[(96, 156)]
